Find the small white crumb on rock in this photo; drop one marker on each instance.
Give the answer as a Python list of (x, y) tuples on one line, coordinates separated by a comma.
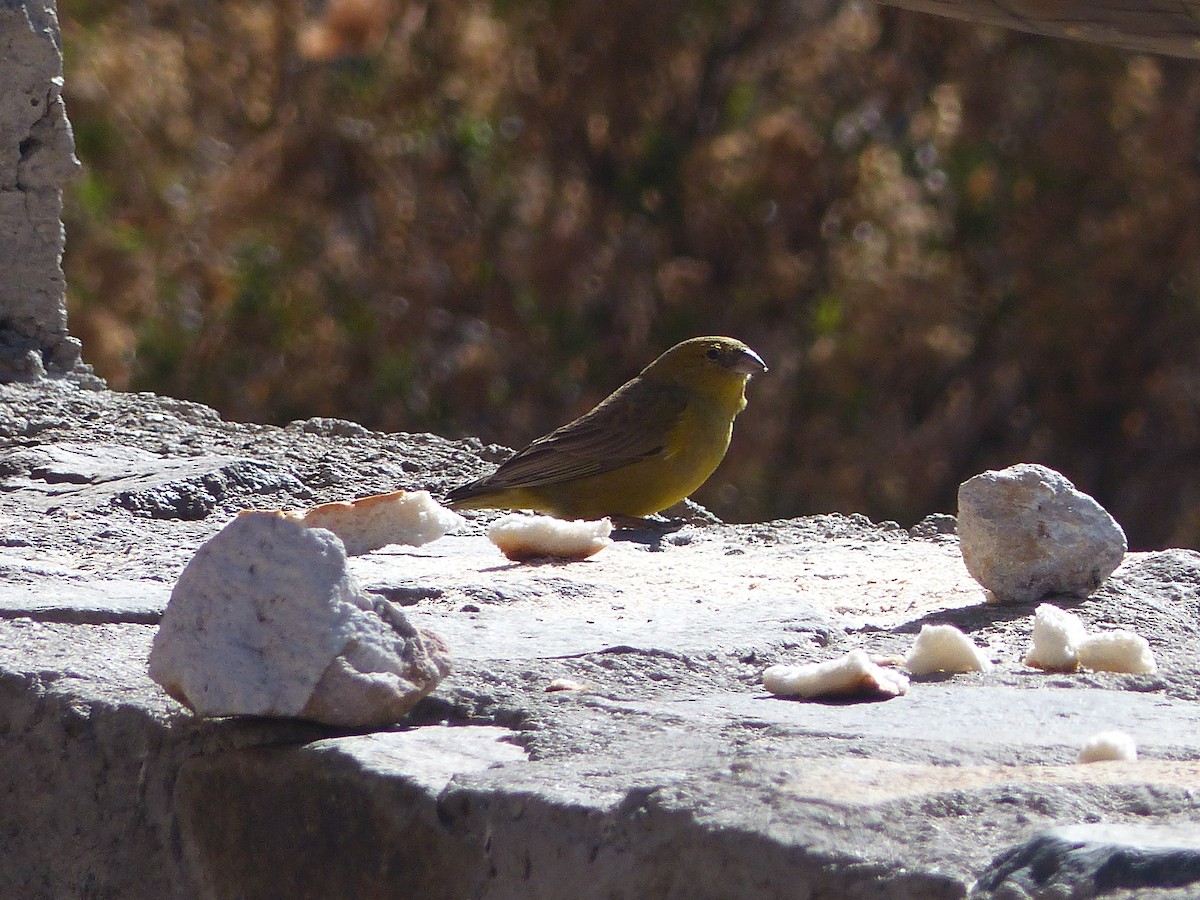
[(401, 517), (1061, 643), (1108, 746), (943, 648), (521, 537), (1117, 651), (1057, 635), (854, 675), (564, 684)]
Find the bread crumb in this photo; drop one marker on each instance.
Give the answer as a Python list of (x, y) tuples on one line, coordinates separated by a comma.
[(1061, 644), (523, 537), (943, 648), (854, 675), (1117, 651), (1107, 746), (1057, 635), (401, 517), (564, 684)]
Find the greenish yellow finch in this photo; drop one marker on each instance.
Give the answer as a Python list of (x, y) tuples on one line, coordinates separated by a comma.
[(651, 443)]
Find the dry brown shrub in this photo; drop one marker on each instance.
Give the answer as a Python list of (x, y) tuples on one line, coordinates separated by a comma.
[(957, 248)]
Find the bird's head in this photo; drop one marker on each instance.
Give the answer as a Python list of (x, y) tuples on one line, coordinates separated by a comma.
[(717, 364), (714, 356)]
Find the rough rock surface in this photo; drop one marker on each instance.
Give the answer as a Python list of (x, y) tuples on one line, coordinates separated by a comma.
[(670, 774), (1027, 533), (37, 155), (267, 621), (1097, 860)]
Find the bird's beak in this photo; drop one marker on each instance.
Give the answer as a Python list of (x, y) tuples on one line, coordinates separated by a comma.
[(748, 362)]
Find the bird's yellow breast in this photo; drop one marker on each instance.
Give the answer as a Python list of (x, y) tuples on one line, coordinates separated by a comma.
[(691, 453)]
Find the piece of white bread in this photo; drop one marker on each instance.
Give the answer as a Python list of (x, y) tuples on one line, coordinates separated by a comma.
[(1057, 635), (1107, 746), (1061, 643), (1117, 651), (401, 517), (853, 675), (522, 537), (943, 648)]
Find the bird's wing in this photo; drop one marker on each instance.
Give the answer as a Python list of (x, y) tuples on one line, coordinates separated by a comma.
[(631, 424)]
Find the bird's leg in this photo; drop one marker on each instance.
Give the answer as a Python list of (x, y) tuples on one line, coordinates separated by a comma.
[(655, 524)]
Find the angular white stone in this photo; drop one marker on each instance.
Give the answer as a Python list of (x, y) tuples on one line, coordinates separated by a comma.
[(265, 620), (943, 648), (1026, 533)]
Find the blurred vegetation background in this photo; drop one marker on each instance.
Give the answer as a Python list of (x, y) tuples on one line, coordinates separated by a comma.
[(958, 248)]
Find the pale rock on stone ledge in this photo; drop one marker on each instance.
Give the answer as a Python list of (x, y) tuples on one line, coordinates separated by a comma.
[(266, 621), (1027, 533)]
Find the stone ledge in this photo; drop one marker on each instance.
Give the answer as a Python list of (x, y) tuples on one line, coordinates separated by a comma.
[(672, 773)]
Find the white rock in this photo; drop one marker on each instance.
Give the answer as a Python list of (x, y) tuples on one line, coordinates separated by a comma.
[(1027, 533), (1117, 651), (265, 620), (402, 517), (943, 648), (1057, 635), (851, 676), (521, 537), (1107, 746)]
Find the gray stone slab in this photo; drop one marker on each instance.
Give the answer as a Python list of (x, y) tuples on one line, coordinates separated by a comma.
[(956, 723), (86, 602), (96, 475)]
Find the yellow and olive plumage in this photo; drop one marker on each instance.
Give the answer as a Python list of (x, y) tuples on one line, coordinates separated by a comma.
[(651, 443)]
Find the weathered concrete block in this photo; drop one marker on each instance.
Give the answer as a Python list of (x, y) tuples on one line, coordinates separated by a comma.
[(36, 157)]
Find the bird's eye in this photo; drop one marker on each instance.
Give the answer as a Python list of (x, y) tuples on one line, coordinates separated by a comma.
[(712, 353)]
